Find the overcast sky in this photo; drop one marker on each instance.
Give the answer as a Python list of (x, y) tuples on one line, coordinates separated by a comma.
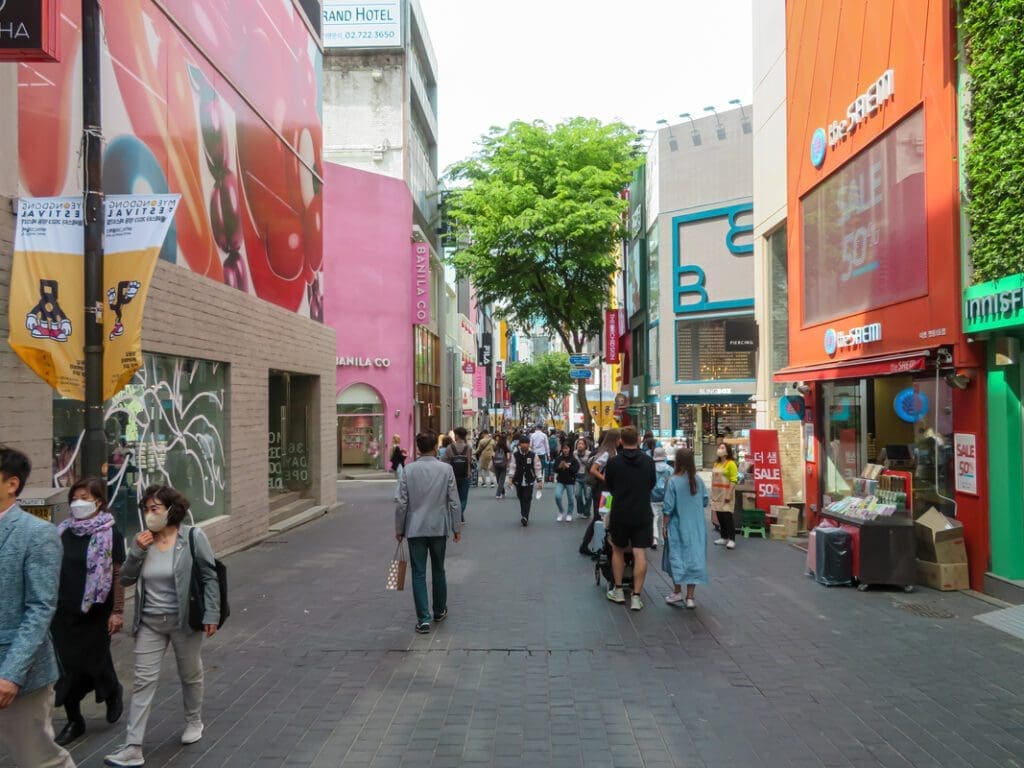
[(633, 60)]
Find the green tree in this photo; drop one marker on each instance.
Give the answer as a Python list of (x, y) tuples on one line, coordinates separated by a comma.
[(543, 383), (537, 213)]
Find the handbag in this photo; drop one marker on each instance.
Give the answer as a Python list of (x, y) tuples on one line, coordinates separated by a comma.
[(396, 570), (197, 593)]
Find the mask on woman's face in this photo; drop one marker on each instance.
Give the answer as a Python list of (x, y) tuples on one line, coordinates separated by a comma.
[(721, 453), (82, 509), (156, 521)]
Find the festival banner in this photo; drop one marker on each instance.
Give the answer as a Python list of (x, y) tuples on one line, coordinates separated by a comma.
[(47, 300), (764, 447)]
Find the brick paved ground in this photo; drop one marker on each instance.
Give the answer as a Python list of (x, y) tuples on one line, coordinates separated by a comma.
[(319, 666)]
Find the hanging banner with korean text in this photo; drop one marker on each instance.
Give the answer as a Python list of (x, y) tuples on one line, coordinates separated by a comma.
[(47, 300), (764, 449), (611, 336)]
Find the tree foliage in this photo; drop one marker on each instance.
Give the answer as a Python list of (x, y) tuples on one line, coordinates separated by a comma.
[(993, 34), (543, 383), (537, 214)]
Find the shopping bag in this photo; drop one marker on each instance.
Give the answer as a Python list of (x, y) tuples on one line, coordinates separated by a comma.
[(605, 505), (396, 570)]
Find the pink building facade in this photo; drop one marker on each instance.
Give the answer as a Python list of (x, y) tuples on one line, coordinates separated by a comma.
[(368, 280)]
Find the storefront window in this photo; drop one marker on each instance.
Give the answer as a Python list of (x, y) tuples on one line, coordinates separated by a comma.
[(428, 357), (844, 448), (360, 427), (167, 427)]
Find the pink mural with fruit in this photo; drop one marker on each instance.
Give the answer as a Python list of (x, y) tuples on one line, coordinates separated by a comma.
[(232, 122)]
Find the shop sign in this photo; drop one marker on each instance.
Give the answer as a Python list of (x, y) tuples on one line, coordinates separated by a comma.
[(911, 405), (480, 382), (362, 25), (741, 335), (420, 284), (966, 448), (819, 142), (362, 362), (994, 305), (791, 408), (469, 367), (483, 352), (714, 391), (863, 107), (836, 341), (611, 336), (706, 277), (29, 30), (764, 447)]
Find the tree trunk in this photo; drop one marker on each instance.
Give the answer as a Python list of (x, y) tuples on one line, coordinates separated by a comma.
[(581, 394)]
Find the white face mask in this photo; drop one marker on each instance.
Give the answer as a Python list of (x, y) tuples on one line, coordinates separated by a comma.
[(721, 453), (156, 521), (81, 509)]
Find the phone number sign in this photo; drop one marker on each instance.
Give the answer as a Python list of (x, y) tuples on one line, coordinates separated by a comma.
[(362, 25)]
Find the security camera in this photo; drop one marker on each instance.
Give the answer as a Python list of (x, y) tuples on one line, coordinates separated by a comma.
[(957, 380), (802, 388)]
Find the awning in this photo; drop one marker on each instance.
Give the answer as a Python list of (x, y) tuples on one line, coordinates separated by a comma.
[(907, 362)]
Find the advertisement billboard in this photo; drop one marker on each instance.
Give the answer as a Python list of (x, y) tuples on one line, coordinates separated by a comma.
[(362, 25)]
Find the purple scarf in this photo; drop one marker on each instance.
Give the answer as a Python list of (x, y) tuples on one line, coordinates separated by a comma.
[(99, 560)]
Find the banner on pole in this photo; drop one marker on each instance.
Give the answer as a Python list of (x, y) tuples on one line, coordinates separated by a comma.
[(611, 336), (47, 300)]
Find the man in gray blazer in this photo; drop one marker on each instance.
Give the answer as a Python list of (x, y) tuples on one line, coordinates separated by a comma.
[(428, 513), (30, 556)]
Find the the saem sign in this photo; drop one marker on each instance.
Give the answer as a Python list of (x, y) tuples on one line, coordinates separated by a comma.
[(420, 284), (863, 107), (29, 30)]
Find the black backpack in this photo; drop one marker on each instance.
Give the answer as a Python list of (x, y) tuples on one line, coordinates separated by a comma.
[(500, 458), (460, 462), (197, 593)]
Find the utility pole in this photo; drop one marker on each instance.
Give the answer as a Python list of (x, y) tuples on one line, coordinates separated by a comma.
[(94, 446)]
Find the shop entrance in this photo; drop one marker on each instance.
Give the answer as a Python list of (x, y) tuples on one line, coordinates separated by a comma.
[(291, 439), (705, 424), (360, 427)]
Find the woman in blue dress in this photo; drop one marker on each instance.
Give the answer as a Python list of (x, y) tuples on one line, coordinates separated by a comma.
[(686, 529)]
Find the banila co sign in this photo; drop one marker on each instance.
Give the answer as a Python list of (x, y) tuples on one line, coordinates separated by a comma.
[(362, 362), (836, 341), (29, 30)]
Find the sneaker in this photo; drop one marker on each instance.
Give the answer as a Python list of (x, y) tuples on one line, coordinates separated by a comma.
[(423, 628), (635, 603), (126, 756), (615, 595), (691, 603), (193, 732), (730, 544), (443, 615), (674, 598), (561, 518), (719, 542), (524, 521)]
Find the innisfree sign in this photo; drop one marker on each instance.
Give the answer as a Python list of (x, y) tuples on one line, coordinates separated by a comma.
[(994, 305)]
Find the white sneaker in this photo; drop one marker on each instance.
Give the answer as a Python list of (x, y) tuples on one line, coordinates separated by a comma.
[(193, 732), (561, 518), (635, 603), (674, 598), (691, 603), (730, 544), (615, 595), (719, 542), (126, 756)]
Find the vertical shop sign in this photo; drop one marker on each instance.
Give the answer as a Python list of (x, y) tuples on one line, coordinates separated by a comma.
[(420, 284), (47, 300), (484, 352), (611, 336), (764, 446), (966, 448), (29, 30), (480, 382)]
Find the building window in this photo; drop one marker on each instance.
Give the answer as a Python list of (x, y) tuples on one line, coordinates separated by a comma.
[(654, 355), (701, 354), (638, 363), (168, 426), (428, 357), (653, 287), (779, 301)]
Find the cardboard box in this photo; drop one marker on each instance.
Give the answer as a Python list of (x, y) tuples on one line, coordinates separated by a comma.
[(944, 577), (780, 532), (940, 539), (749, 501)]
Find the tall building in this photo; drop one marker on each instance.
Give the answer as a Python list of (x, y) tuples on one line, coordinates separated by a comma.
[(234, 403)]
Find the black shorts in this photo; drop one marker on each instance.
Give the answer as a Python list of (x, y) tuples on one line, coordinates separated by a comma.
[(629, 534)]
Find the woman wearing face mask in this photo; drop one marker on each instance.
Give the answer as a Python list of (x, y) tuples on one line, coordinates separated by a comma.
[(90, 606), (160, 564), (723, 490)]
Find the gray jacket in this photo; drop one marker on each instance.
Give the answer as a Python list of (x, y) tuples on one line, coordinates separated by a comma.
[(131, 573), (30, 556), (428, 500)]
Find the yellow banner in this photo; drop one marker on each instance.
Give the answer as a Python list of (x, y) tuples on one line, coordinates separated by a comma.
[(47, 300)]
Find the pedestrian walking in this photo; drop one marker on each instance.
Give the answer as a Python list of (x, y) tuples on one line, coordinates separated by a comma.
[(582, 454), (554, 445), (630, 476), (460, 456), (662, 473), (649, 444), (398, 453), (686, 530), (724, 475), (446, 443), (90, 607), (485, 458), (525, 471), (499, 463), (566, 467), (160, 565), (428, 512), (30, 562), (539, 445), (595, 478)]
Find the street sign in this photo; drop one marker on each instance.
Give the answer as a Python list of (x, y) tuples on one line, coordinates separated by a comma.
[(579, 359), (580, 373)]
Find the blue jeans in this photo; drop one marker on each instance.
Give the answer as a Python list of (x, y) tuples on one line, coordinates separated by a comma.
[(462, 483), (582, 497), (419, 547), (560, 489)]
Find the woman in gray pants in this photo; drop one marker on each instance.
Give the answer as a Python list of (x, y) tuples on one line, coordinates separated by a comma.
[(160, 565)]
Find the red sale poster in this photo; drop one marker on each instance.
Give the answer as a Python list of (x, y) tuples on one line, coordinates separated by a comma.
[(764, 448)]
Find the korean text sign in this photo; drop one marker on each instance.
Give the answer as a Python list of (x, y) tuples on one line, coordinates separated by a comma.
[(764, 449)]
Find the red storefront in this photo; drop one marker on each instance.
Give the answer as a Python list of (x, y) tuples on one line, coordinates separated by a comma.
[(874, 255)]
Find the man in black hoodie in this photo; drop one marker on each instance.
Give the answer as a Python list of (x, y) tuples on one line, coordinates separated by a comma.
[(629, 477)]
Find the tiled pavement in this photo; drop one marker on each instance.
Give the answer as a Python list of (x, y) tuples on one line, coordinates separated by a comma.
[(319, 666)]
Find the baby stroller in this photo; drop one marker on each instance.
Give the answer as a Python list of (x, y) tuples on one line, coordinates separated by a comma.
[(601, 553)]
